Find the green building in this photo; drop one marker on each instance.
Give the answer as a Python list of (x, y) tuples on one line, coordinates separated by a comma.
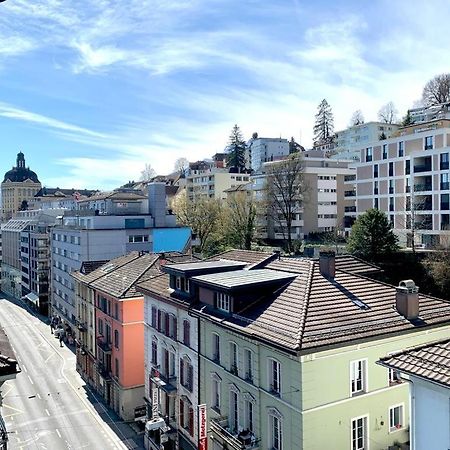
[(288, 350)]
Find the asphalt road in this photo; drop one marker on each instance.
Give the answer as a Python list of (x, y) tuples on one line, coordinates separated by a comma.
[(47, 406)]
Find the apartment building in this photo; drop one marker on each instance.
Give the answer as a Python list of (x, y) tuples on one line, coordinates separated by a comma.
[(86, 235), (262, 150), (324, 205), (111, 330), (18, 187), (407, 176), (288, 351), (348, 142), (57, 198)]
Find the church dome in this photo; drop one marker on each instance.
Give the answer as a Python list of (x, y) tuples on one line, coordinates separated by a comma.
[(20, 173)]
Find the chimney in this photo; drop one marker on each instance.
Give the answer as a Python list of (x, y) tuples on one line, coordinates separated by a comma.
[(407, 299), (327, 263)]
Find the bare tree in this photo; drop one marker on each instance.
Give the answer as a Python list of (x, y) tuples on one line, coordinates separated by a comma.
[(437, 264), (241, 218), (181, 165), (388, 113), (204, 216), (357, 118), (148, 173), (286, 191), (437, 90)]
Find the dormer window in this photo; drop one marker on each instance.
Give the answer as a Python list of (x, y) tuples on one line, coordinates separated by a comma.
[(222, 301)]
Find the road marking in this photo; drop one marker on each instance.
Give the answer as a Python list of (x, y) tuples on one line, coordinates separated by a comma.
[(18, 411), (24, 368), (58, 433), (48, 358), (39, 396), (47, 412), (31, 381)]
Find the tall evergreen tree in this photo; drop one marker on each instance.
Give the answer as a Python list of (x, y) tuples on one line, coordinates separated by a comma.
[(407, 120), (324, 126), (236, 150)]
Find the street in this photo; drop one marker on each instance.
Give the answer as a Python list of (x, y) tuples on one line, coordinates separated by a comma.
[(47, 406)]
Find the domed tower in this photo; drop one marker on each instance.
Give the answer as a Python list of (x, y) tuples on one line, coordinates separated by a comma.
[(19, 186)]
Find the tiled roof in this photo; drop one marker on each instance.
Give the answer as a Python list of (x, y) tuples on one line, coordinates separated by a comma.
[(355, 265), (251, 257), (430, 362), (114, 195), (119, 276), (89, 266), (158, 285)]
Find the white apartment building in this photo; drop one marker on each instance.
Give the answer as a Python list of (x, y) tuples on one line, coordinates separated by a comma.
[(348, 142), (325, 205), (171, 359), (262, 150), (408, 177)]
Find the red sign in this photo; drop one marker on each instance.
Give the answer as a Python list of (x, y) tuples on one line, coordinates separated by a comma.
[(202, 428)]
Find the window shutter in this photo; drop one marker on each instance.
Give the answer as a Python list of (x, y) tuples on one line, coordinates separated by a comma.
[(153, 316), (175, 329), (181, 415), (158, 327), (167, 325), (191, 421), (182, 371), (190, 379)]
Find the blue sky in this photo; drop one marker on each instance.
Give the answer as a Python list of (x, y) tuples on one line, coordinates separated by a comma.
[(91, 91)]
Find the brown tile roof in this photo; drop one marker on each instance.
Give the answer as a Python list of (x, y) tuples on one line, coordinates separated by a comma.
[(119, 276), (158, 285), (430, 362), (251, 257), (355, 265)]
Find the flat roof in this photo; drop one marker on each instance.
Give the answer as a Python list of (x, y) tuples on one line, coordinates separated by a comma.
[(202, 265), (240, 278)]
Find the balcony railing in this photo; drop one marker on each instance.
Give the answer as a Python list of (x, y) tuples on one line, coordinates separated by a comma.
[(105, 346), (423, 206), (350, 209), (245, 440), (350, 194), (422, 168), (105, 372), (423, 187)]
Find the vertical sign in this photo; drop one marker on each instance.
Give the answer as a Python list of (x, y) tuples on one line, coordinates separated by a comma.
[(155, 401), (202, 432)]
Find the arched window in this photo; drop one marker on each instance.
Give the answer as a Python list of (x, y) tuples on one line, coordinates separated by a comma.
[(275, 429), (186, 332)]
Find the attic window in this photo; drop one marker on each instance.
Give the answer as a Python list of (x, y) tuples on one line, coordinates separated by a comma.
[(222, 301)]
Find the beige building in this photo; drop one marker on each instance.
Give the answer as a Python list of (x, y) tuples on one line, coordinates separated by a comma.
[(407, 176), (325, 206), (19, 185)]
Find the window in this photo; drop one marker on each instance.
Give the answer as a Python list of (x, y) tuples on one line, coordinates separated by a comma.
[(375, 203), (186, 333), (407, 167), (445, 184), (391, 203), (444, 161), (359, 434), (216, 348), (248, 365), (222, 301), (116, 339), (395, 418), (234, 412), (274, 377), (401, 149), (428, 142), (375, 171), (186, 373), (117, 368), (249, 415), (394, 377), (233, 358), (385, 151), (275, 431), (391, 186), (215, 392), (369, 154), (375, 187), (391, 169), (358, 376), (172, 329), (154, 325), (154, 352), (100, 326)]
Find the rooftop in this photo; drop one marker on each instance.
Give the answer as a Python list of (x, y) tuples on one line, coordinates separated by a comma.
[(243, 278), (430, 362), (192, 267)]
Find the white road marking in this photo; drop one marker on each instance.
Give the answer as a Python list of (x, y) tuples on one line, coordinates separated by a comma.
[(39, 396), (31, 381), (47, 412), (58, 433), (48, 358), (24, 368)]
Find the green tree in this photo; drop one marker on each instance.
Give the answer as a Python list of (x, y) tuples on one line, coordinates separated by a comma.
[(324, 125), (236, 150), (407, 120), (372, 237)]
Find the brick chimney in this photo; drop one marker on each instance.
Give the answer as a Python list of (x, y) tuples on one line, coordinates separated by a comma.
[(327, 263), (407, 299)]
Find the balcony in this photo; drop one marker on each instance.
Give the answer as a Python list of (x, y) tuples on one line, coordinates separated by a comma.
[(104, 346), (423, 187), (350, 193), (104, 372), (350, 209), (422, 168), (244, 440)]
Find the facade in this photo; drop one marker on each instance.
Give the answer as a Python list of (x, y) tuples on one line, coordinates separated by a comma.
[(19, 186), (266, 149), (115, 203), (11, 256), (110, 318), (325, 205), (407, 176), (288, 353), (56, 198), (426, 369)]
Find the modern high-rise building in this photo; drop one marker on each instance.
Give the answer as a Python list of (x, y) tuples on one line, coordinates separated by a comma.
[(19, 186), (266, 149)]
